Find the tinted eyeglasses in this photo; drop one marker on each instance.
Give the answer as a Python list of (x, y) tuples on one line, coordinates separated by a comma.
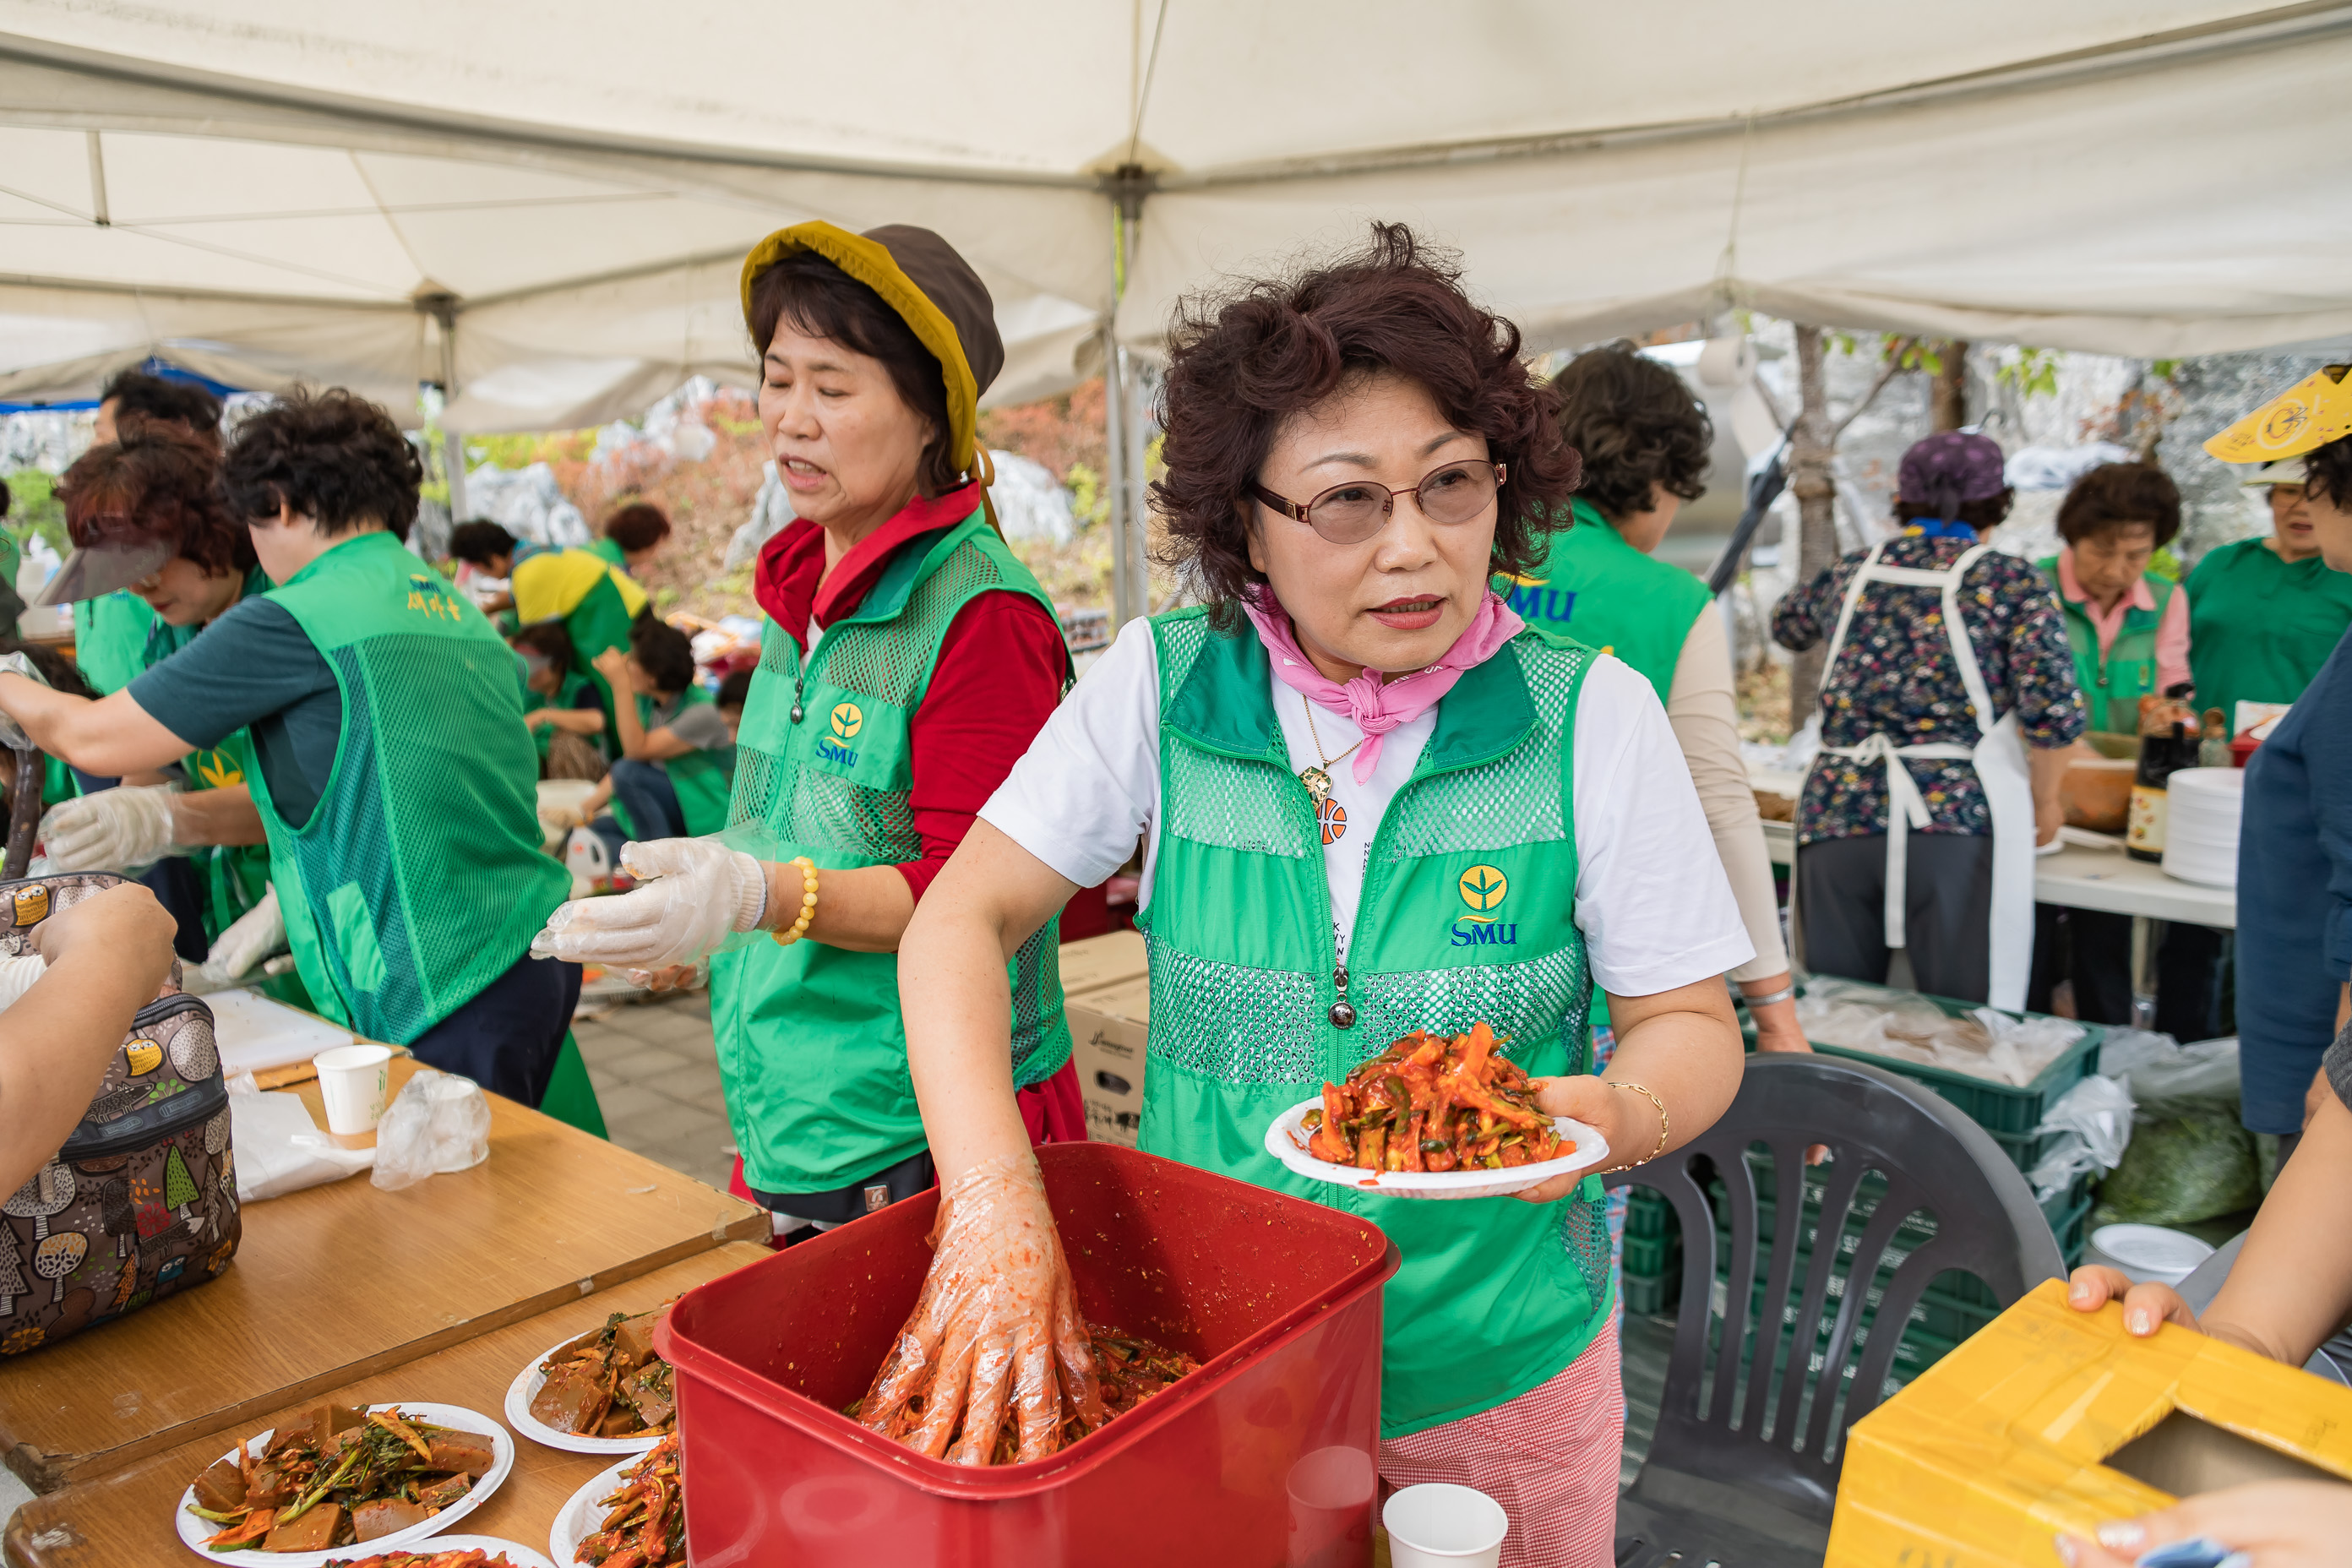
[(1355, 511)]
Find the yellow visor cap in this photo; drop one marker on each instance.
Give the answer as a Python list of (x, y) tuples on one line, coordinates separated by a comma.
[(2305, 417)]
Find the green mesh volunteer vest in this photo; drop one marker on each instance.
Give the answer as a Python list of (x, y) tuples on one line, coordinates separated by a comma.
[(1466, 914), (418, 878), (811, 1044), (110, 632), (703, 779), (569, 687), (2113, 685), (1594, 587), (233, 876), (598, 622)]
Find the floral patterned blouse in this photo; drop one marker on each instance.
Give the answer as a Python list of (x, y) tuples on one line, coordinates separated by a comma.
[(1897, 673)]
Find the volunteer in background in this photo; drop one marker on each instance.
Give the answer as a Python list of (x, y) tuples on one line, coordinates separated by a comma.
[(678, 762), (2128, 629), (909, 659), (2294, 848), (563, 709), (596, 600), (2265, 612), (145, 514), (1946, 661), (1643, 441), (391, 774), (633, 536), (1351, 452)]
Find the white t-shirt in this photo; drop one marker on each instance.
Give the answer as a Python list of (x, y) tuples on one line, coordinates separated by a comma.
[(1651, 897)]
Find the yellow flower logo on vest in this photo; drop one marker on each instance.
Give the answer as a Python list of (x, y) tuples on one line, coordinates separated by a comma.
[(1483, 888), (847, 720), (218, 769)]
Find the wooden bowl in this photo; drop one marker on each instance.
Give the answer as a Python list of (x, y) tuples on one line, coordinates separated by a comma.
[(2096, 793)]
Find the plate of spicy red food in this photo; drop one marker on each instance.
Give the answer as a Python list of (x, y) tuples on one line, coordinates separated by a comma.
[(344, 1482), (603, 1391), (1433, 1116), (632, 1512)]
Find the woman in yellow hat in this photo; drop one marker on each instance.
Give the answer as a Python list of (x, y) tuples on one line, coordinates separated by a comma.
[(908, 660)]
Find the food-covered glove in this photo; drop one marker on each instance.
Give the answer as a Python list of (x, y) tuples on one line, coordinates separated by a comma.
[(997, 1329), (250, 938), (114, 830), (694, 892)]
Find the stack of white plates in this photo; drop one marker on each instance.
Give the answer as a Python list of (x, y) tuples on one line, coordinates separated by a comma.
[(2201, 824)]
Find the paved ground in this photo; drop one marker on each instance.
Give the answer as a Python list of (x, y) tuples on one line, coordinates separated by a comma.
[(657, 1076)]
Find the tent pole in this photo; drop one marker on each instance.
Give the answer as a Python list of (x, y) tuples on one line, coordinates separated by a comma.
[(1122, 597), (1139, 513), (443, 308)]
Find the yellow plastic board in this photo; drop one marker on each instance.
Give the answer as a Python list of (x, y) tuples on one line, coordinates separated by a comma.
[(1992, 1451)]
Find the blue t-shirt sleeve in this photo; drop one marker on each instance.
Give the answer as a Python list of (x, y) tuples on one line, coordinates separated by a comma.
[(253, 662)]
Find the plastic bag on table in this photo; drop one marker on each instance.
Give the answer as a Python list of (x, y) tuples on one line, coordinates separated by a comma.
[(439, 1123), (1904, 1024), (2095, 1121), (2191, 1158), (279, 1149)]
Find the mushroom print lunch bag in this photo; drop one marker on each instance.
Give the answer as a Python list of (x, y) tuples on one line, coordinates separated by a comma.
[(142, 1201)]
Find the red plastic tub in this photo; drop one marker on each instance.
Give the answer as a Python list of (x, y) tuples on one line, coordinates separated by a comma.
[(1264, 1457)]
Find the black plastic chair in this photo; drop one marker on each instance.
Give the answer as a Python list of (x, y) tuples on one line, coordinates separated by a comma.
[(1744, 1467)]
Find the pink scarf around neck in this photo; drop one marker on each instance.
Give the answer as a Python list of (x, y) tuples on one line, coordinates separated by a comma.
[(1378, 705)]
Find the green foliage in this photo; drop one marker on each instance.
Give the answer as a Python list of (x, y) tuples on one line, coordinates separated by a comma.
[(2033, 372), (1090, 498), (2166, 564), (2166, 368), (34, 509), (506, 452), (1914, 353), (727, 427)]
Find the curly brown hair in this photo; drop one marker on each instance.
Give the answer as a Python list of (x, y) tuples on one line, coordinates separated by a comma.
[(332, 456), (1244, 360), (2115, 495), (1634, 423), (156, 484), (2327, 473)]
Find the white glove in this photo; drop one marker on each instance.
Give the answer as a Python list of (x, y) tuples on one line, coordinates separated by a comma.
[(695, 892), (113, 830), (250, 938)]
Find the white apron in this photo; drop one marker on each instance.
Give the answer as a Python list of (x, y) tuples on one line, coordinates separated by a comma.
[(1999, 758)]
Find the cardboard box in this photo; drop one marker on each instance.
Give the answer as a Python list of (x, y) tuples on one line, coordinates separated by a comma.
[(1108, 1028), (1109, 960), (2050, 1419)]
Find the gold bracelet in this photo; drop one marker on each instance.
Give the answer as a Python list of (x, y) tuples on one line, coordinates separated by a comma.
[(1644, 1090), (799, 928)]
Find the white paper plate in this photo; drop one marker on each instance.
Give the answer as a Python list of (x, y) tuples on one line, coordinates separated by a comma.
[(577, 1520), (519, 1555), (525, 1388), (195, 1532), (1286, 1139)]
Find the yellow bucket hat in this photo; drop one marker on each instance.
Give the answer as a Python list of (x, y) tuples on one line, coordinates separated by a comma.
[(2305, 417), (933, 289)]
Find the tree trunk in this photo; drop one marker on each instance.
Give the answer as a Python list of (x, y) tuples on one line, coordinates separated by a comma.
[(1810, 450), (1949, 404)]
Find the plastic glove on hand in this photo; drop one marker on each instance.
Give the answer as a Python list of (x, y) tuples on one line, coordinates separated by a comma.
[(12, 735), (997, 1329), (113, 830), (250, 938), (692, 893)]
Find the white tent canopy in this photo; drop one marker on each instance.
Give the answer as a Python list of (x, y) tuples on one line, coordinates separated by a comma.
[(545, 211)]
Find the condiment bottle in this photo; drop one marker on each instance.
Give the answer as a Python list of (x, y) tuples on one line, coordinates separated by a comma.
[(2213, 750), (2166, 746)]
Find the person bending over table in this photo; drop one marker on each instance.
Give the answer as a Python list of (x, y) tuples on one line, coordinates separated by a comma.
[(565, 709), (145, 514), (633, 536), (1373, 800), (392, 774), (677, 759), (1948, 663), (595, 601)]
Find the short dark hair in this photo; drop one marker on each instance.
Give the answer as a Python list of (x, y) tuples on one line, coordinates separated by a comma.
[(735, 690), (2327, 473), (2114, 495), (551, 641), (477, 542), (332, 456), (156, 484), (1633, 423), (665, 653), (1244, 360), (1985, 512), (164, 399), (640, 525), (823, 302)]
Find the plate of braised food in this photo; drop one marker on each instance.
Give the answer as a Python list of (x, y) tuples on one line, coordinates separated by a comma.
[(452, 1551), (630, 1516), (1433, 1116), (340, 1477), (603, 1391)]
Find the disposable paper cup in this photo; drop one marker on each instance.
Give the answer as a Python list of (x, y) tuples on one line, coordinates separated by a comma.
[(1331, 1493), (1440, 1526), (352, 1080)]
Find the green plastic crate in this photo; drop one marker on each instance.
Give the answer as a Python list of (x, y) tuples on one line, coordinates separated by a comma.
[(1651, 1298), (1650, 1257), (1648, 1213)]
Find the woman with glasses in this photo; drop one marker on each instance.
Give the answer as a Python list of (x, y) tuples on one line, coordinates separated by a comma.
[(1373, 802)]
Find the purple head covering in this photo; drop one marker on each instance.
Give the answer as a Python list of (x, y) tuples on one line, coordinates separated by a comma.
[(1950, 468)]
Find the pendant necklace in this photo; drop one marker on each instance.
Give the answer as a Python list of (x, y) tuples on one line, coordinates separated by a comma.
[(1319, 780)]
